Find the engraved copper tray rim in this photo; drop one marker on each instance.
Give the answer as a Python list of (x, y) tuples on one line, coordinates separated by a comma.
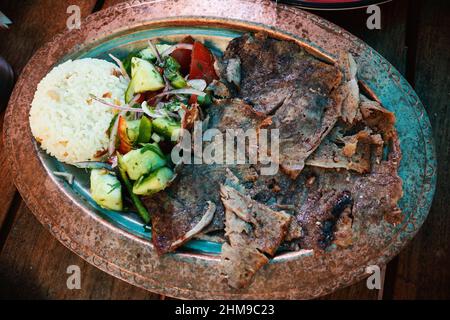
[(109, 247)]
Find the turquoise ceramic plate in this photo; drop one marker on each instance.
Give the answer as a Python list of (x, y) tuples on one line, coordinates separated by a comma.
[(216, 39), (118, 243)]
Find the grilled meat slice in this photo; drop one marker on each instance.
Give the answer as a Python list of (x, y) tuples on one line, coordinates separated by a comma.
[(303, 121), (371, 181), (253, 230), (305, 105), (348, 151), (271, 70), (378, 118), (374, 197), (355, 147), (349, 89), (178, 209), (281, 79)]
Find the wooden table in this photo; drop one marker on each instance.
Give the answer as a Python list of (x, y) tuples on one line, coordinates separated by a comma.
[(415, 38)]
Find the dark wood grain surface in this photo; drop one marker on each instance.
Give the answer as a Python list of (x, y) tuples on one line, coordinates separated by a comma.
[(422, 270), (415, 38)]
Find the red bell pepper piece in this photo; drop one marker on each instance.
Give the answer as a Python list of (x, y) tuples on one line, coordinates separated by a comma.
[(124, 141)]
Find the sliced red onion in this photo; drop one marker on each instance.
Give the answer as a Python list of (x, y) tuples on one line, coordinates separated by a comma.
[(67, 176), (168, 51), (120, 64), (180, 97), (133, 101), (155, 51), (146, 110), (158, 113), (198, 84), (204, 221), (137, 115), (168, 86), (182, 91), (114, 162), (114, 129), (114, 106)]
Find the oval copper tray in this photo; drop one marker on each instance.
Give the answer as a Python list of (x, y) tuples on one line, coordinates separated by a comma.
[(111, 242)]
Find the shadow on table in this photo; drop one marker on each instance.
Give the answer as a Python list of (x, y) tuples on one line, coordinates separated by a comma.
[(15, 284)]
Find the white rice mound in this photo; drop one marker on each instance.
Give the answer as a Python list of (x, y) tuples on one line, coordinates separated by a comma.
[(65, 120)]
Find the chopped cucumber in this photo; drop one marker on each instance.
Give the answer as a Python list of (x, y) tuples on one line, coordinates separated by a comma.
[(176, 79), (153, 183), (144, 77), (204, 101), (172, 73), (156, 137), (129, 93), (171, 63), (136, 201), (106, 189), (167, 127), (138, 131), (145, 130), (152, 147), (147, 53), (132, 129), (127, 61), (142, 161)]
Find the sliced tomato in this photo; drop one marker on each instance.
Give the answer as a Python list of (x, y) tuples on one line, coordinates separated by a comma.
[(183, 56), (150, 96), (160, 70), (202, 63), (141, 98), (193, 99), (124, 142)]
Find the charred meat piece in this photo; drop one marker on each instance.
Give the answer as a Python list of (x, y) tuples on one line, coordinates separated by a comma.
[(299, 91), (347, 186), (355, 147), (178, 209), (343, 233), (348, 151), (375, 192), (190, 116), (253, 231), (378, 118), (349, 89), (319, 214), (233, 114), (328, 227), (375, 196), (271, 70), (303, 122), (239, 265)]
